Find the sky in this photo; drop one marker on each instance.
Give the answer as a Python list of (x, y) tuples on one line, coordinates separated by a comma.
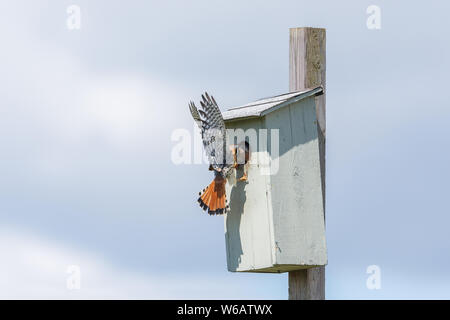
[(86, 177)]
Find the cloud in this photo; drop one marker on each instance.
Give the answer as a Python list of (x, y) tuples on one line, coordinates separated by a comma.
[(35, 268), (57, 112)]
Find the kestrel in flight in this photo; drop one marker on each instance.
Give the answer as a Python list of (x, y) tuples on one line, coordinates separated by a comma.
[(222, 158)]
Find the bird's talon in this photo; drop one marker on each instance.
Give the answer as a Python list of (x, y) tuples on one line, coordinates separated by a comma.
[(243, 178)]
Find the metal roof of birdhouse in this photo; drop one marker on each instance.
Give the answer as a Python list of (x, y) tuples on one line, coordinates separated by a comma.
[(261, 107)]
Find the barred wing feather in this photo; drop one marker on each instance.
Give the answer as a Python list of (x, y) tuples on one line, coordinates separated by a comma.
[(210, 121)]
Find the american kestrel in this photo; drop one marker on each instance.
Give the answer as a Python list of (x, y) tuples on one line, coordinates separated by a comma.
[(222, 158)]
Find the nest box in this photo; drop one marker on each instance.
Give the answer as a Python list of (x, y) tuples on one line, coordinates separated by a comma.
[(276, 218)]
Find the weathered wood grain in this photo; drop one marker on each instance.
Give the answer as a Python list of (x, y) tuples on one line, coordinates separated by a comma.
[(307, 64), (307, 68)]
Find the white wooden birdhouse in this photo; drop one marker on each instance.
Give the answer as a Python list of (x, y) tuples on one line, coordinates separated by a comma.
[(276, 218)]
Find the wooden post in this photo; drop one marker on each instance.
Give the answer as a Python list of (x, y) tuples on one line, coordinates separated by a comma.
[(307, 66)]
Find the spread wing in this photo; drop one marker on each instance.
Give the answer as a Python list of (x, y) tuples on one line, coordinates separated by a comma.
[(210, 121)]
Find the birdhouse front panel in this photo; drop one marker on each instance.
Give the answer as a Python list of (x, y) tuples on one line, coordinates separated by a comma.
[(276, 219), (248, 236)]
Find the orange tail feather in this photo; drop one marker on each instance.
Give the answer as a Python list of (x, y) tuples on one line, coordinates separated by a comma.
[(206, 196), (213, 197)]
